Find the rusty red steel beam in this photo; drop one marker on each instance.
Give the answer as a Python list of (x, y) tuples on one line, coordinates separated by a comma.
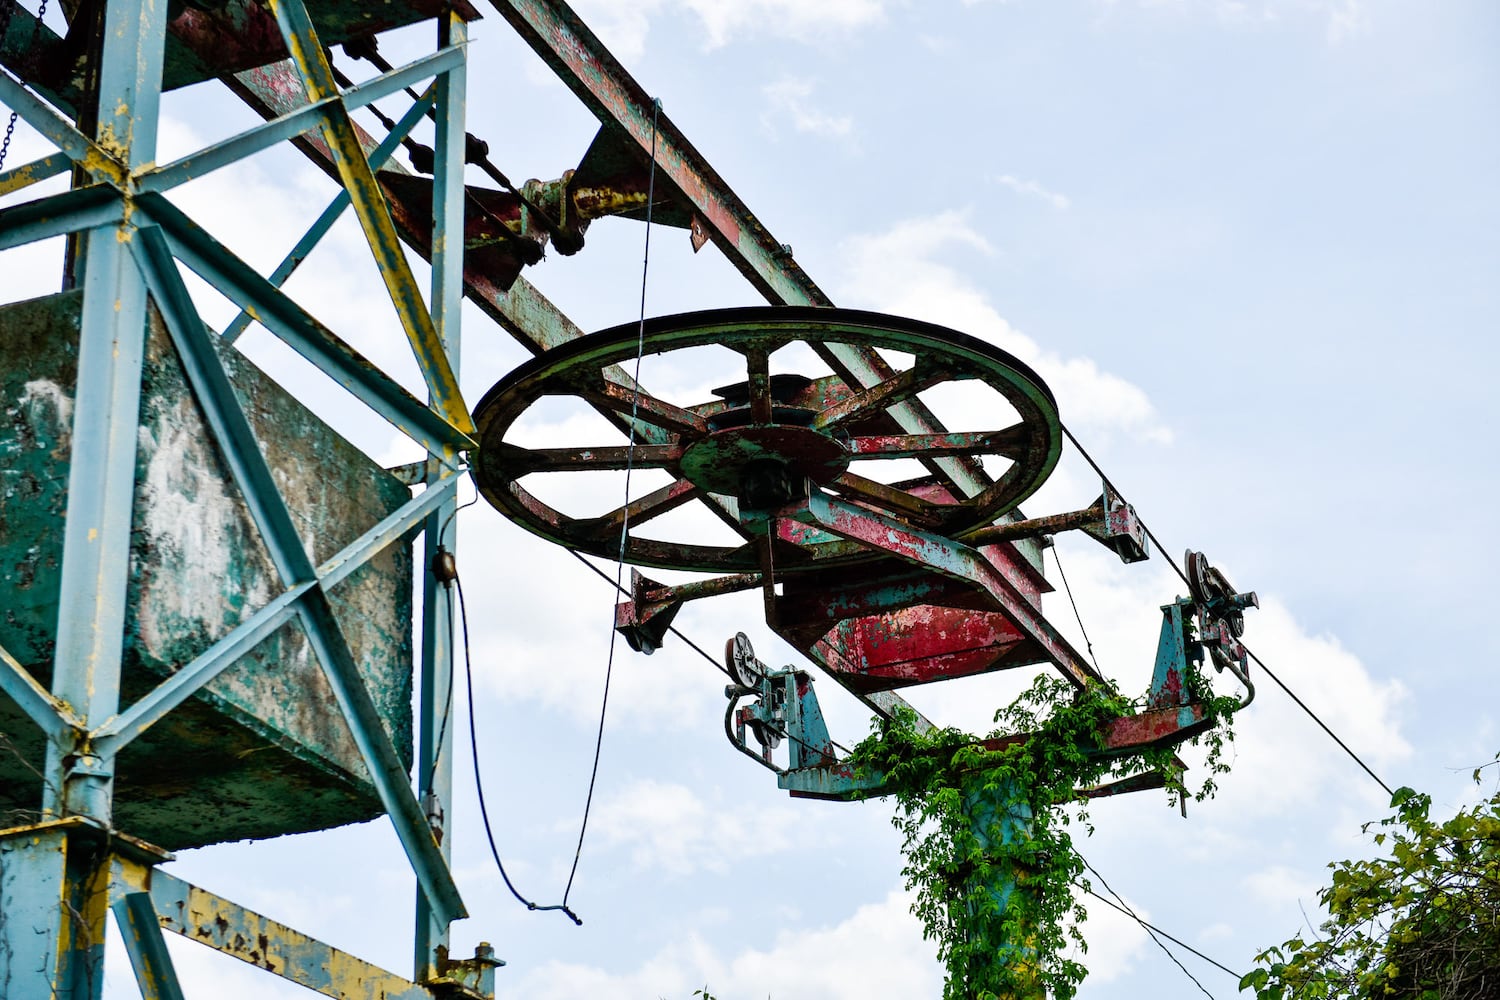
[(598, 79)]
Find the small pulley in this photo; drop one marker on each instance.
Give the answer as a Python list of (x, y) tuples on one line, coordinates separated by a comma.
[(1221, 612), (784, 707)]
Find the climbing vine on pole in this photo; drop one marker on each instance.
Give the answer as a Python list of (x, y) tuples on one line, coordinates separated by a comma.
[(986, 826)]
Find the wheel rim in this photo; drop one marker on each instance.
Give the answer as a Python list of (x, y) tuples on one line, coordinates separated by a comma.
[(768, 428)]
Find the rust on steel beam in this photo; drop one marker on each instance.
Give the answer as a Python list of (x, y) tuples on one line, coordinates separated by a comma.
[(522, 311), (582, 62)]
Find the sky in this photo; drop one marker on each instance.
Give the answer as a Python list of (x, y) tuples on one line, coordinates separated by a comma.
[(1251, 246)]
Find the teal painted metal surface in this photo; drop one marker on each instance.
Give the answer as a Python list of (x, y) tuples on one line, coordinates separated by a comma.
[(439, 537), (184, 499)]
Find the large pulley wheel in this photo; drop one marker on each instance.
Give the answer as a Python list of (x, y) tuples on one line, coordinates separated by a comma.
[(764, 441)]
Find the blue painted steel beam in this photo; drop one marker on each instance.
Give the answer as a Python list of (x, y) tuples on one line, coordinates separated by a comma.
[(435, 679), (114, 734), (141, 930), (64, 212), (373, 213), (101, 164), (96, 532), (51, 715), (231, 430), (387, 772), (235, 148), (325, 221), (446, 59), (397, 525), (27, 174), (304, 334), (111, 737)]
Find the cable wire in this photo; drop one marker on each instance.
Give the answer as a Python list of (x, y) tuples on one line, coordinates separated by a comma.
[(1150, 931), (609, 663), (1157, 930), (1057, 558), (484, 813), (1171, 561)]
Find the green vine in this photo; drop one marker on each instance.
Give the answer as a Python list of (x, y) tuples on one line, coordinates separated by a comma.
[(986, 827)]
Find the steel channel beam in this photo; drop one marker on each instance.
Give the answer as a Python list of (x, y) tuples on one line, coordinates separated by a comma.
[(235, 148), (434, 759), (101, 492), (27, 174), (304, 334), (324, 222), (111, 737), (102, 164), (64, 212), (51, 715), (955, 560), (582, 62), (373, 213), (141, 930), (231, 430), (217, 923)]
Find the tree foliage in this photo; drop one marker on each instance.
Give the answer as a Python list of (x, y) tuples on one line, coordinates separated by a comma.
[(1420, 922), (987, 844)]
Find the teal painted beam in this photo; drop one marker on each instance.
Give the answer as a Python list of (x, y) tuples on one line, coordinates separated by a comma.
[(240, 283), (141, 931), (64, 212)]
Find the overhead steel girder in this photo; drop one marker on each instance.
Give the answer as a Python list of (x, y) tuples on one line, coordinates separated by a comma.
[(582, 62)]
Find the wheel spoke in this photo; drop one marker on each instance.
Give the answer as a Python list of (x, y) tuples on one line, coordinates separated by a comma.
[(523, 461), (1012, 442), (898, 388), (617, 398), (758, 365), (641, 509)]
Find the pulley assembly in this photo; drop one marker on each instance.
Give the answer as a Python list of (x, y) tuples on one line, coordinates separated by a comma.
[(884, 580)]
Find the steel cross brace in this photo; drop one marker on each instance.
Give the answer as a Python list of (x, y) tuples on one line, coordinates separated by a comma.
[(231, 429), (374, 215)]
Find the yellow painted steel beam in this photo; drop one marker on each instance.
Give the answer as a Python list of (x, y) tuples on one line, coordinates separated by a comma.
[(374, 214)]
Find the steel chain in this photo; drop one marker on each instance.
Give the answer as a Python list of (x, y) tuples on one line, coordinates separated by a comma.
[(36, 34)]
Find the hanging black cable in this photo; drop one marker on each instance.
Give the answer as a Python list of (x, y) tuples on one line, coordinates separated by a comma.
[(609, 663), (484, 813), (445, 569), (1259, 662), (1150, 932), (1146, 924)]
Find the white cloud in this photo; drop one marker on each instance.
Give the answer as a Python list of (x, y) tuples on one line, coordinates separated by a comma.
[(725, 20), (877, 951), (624, 27), (789, 99), (669, 827), (1032, 189), (897, 271), (1280, 884), (1340, 19)]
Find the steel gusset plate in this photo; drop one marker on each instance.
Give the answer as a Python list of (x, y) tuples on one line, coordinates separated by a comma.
[(809, 430)]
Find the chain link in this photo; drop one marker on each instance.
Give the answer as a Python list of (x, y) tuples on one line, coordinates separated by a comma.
[(36, 34)]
